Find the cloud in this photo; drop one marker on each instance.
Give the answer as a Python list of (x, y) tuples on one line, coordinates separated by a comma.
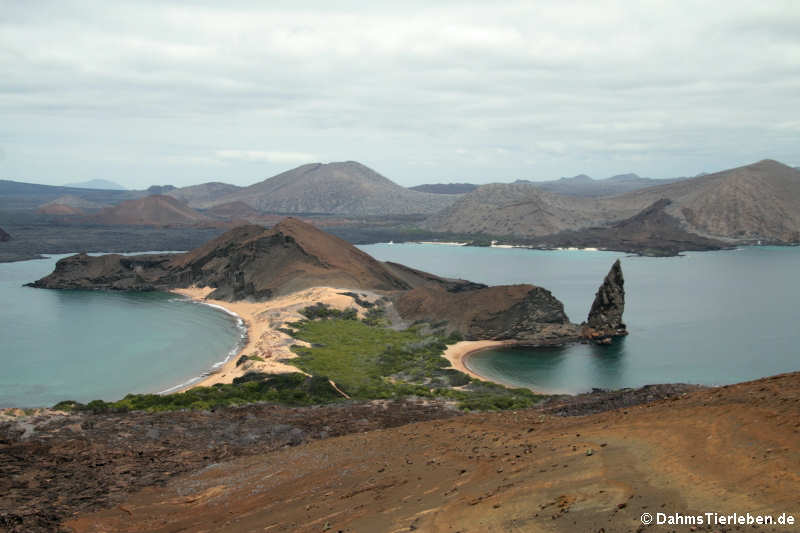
[(567, 86)]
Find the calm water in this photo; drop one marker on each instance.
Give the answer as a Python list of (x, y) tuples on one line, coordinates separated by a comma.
[(707, 317), (83, 345)]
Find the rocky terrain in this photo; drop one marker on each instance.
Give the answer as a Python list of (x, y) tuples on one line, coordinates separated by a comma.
[(754, 202), (54, 464), (758, 202), (347, 188), (524, 210), (538, 470), (651, 232), (520, 312), (605, 316), (251, 262)]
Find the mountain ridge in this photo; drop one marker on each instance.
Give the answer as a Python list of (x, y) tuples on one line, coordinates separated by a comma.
[(344, 188), (756, 202)]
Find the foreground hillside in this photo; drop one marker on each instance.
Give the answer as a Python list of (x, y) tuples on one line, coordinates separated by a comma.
[(723, 450), (347, 188)]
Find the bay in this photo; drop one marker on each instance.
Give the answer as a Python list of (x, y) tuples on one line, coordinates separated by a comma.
[(84, 345), (709, 318)]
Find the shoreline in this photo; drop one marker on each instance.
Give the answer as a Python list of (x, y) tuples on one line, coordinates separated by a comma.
[(266, 347), (459, 352)]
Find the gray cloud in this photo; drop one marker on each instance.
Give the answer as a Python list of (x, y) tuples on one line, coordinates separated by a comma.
[(177, 92)]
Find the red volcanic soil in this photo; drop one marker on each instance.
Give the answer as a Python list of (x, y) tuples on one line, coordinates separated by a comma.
[(155, 210), (723, 450)]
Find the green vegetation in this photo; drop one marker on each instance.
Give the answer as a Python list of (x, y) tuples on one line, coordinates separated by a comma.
[(368, 361), (365, 359), (291, 389), (321, 310)]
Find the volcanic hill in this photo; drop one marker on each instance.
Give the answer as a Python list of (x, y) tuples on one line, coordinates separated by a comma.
[(347, 188), (760, 201), (155, 210)]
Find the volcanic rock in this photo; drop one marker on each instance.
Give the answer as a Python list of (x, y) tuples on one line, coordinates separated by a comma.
[(605, 317), (524, 313), (247, 262)]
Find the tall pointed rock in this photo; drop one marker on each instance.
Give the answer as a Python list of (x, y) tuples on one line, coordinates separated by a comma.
[(605, 317)]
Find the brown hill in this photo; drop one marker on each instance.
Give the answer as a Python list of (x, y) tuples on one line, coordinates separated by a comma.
[(245, 262), (347, 188), (291, 256), (156, 210)]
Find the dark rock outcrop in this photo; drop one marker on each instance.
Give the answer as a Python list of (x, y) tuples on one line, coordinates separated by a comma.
[(4, 236), (108, 272), (652, 231), (524, 313), (605, 317)]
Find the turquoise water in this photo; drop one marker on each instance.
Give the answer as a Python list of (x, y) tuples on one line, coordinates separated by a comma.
[(707, 317), (84, 345)]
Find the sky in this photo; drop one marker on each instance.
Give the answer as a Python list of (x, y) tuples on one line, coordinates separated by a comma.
[(165, 92)]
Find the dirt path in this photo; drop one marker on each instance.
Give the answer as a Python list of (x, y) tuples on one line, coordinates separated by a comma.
[(731, 449)]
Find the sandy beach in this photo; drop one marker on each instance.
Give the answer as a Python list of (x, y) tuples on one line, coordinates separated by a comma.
[(458, 352), (267, 347)]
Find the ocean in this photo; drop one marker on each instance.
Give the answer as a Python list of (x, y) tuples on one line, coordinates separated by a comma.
[(86, 345), (710, 318)]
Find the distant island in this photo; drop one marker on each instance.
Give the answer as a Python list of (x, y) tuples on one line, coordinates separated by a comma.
[(749, 205)]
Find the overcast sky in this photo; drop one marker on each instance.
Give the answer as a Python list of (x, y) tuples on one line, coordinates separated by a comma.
[(184, 92)]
